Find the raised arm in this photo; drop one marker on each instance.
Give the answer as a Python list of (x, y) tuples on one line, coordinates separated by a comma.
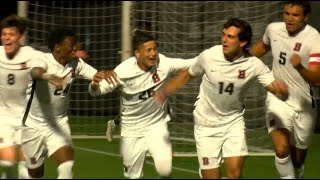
[(311, 74), (172, 86), (259, 49)]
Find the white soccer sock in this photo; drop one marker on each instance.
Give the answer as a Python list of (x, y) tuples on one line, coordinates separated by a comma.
[(285, 167), (65, 170), (299, 172), (23, 171), (8, 169)]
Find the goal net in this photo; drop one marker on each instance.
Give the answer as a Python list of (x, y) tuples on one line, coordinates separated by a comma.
[(183, 29)]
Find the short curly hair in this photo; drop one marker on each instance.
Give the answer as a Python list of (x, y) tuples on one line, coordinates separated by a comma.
[(20, 23)]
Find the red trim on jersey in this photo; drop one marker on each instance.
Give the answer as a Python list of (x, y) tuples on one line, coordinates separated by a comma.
[(314, 63), (314, 55)]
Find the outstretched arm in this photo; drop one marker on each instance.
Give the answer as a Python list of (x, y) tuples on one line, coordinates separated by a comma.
[(103, 83), (259, 49), (311, 74), (39, 73), (279, 89), (172, 86)]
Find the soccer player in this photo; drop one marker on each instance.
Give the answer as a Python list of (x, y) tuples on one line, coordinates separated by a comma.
[(15, 65), (227, 71), (290, 123), (143, 123), (45, 125)]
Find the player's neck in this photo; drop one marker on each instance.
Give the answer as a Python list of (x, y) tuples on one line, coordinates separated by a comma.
[(143, 67), (13, 54), (234, 56), (298, 30), (61, 61)]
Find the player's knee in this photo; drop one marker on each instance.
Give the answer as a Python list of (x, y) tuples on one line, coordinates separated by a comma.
[(65, 170), (164, 168), (234, 174), (282, 151)]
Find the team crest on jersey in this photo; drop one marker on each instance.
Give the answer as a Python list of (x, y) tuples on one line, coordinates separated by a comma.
[(242, 74), (297, 47), (205, 161)]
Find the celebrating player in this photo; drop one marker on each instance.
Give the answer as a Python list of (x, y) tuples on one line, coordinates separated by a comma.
[(227, 71), (291, 123), (143, 123)]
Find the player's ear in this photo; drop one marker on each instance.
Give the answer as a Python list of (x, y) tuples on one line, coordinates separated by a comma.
[(137, 53), (56, 48), (306, 18)]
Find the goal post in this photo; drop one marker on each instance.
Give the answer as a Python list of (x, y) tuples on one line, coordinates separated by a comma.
[(183, 29)]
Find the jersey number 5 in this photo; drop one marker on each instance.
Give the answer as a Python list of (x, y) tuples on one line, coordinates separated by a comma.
[(283, 58)]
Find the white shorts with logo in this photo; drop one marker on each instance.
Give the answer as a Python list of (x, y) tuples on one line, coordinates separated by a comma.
[(39, 140), (301, 124), (216, 143), (10, 135), (156, 142)]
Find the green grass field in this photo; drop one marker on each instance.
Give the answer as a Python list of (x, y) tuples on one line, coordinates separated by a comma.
[(99, 159)]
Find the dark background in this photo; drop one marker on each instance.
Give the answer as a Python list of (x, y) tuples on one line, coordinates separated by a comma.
[(7, 8), (10, 7)]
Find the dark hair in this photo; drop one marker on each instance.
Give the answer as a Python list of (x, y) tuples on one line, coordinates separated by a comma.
[(304, 4), (140, 37), (57, 36), (15, 21), (245, 33)]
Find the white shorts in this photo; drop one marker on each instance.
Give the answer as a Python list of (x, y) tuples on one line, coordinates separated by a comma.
[(10, 135), (134, 149), (43, 140), (301, 124), (216, 143)]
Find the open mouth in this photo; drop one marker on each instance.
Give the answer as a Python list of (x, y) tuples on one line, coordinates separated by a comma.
[(224, 47), (8, 46)]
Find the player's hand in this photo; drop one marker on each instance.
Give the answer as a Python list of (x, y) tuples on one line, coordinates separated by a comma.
[(99, 76), (160, 97), (295, 60), (281, 89), (111, 77)]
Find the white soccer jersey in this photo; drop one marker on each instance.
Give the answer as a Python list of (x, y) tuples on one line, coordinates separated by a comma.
[(283, 46), (224, 85), (14, 79), (48, 102), (140, 111)]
